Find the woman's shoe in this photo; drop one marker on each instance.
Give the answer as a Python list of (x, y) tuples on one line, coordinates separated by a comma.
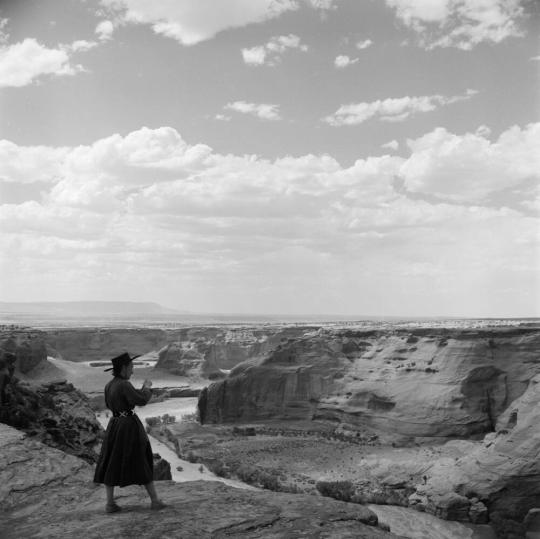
[(112, 508), (157, 505)]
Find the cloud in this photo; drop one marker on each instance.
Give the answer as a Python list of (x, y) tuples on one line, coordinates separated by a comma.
[(28, 164), (148, 211), (470, 168), (271, 53), (364, 44), (392, 145), (191, 21), (460, 23), (82, 45), (254, 56), (223, 117), (391, 109), (104, 30), (343, 61), (24, 62), (264, 111)]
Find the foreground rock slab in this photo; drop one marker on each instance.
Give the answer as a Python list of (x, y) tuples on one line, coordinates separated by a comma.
[(46, 493)]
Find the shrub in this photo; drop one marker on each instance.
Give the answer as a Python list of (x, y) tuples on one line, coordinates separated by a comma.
[(219, 468), (153, 421), (216, 375), (268, 481), (339, 490)]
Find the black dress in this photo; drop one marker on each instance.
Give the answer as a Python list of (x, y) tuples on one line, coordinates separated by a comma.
[(126, 455)]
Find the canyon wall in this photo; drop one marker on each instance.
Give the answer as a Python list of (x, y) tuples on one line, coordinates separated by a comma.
[(207, 350), (195, 350), (401, 385), (92, 344)]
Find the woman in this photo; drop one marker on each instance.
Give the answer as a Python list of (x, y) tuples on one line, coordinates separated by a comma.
[(126, 456)]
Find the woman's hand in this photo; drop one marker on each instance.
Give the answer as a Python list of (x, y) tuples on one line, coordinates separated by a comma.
[(147, 384)]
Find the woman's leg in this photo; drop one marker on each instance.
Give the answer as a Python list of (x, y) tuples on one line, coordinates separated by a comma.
[(110, 494), (156, 503), (151, 489)]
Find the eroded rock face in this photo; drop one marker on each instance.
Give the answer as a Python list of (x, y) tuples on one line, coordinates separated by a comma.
[(400, 385), (47, 493), (502, 472), (207, 350), (56, 414)]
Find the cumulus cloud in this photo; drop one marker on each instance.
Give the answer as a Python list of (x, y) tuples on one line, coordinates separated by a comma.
[(392, 145), (81, 45), (24, 62), (104, 30), (343, 61), (460, 23), (364, 44), (28, 164), (470, 167), (271, 52), (148, 210), (391, 109), (264, 111), (192, 21)]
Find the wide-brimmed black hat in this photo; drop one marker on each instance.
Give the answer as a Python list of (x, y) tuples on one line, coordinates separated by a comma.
[(121, 360)]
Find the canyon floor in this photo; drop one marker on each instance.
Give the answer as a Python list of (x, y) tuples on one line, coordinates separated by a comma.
[(292, 456)]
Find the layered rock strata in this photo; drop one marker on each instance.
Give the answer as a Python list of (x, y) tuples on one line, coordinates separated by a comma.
[(208, 350), (475, 390), (402, 386)]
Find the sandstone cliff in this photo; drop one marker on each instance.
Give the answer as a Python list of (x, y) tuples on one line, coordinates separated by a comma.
[(503, 470), (475, 391), (402, 386), (46, 493), (205, 350)]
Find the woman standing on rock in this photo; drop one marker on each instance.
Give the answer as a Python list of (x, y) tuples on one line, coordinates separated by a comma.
[(126, 455)]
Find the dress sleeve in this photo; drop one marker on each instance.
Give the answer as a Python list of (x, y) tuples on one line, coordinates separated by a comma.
[(136, 397)]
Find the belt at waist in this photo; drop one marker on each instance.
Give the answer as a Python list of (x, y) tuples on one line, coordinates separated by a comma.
[(125, 413)]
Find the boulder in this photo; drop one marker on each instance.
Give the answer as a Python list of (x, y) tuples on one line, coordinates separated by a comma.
[(162, 468)]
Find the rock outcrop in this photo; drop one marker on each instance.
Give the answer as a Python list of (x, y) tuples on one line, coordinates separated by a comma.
[(207, 350), (402, 386), (26, 346), (56, 414), (46, 493), (501, 473)]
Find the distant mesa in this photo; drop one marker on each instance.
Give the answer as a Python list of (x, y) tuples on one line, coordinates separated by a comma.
[(87, 308)]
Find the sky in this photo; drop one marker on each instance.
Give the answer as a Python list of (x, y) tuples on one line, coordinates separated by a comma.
[(344, 157)]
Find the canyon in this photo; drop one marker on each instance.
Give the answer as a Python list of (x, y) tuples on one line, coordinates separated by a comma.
[(438, 419)]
